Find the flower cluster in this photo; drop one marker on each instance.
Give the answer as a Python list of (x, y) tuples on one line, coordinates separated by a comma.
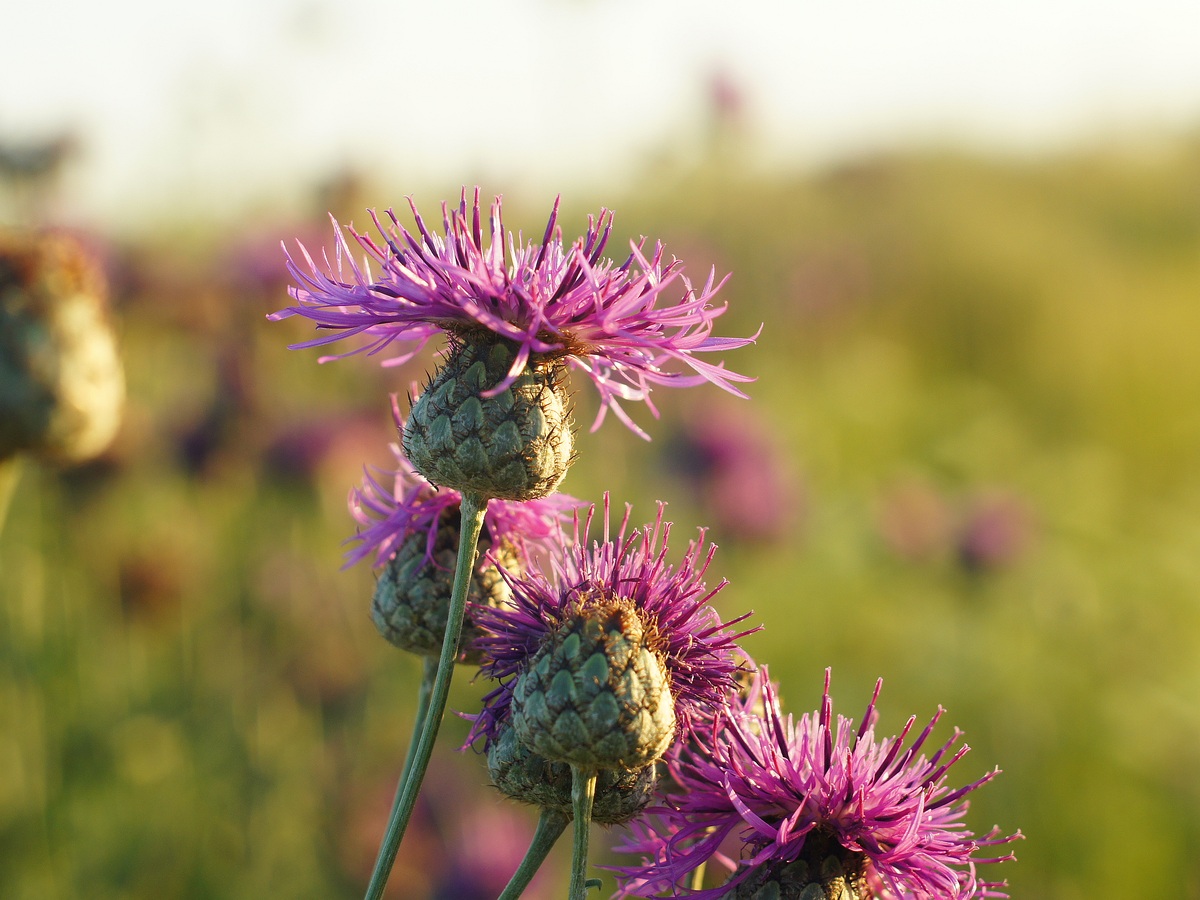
[(411, 532), (617, 683)]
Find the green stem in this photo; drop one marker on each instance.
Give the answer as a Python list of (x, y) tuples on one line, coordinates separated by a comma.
[(583, 793), (428, 674), (473, 508), (550, 826), (10, 474)]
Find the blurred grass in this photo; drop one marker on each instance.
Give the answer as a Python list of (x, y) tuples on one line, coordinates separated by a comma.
[(194, 704)]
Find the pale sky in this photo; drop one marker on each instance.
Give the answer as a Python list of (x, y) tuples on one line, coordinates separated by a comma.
[(227, 101)]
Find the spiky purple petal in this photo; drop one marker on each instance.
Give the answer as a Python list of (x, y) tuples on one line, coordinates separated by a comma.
[(546, 298)]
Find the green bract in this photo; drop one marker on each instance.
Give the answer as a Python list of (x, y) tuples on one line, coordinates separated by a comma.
[(515, 445), (597, 694)]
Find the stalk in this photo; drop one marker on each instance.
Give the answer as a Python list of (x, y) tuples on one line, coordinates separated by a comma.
[(550, 826), (583, 794), (473, 508), (428, 674), (10, 474)]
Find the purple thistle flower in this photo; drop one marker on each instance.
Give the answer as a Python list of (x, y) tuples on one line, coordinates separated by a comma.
[(696, 648), (547, 299), (777, 787), (389, 516)]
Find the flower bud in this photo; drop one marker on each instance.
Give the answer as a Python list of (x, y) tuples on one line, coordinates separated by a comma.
[(61, 382), (523, 775), (515, 445), (596, 694), (412, 595)]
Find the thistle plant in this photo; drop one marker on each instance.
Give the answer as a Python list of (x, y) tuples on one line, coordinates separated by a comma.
[(621, 695), (493, 423), (605, 657)]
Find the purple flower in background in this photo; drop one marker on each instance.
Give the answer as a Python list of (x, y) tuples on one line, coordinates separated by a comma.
[(813, 801), (996, 529), (735, 474), (915, 519), (694, 647), (548, 299)]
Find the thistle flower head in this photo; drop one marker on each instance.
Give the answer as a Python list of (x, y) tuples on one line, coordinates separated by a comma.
[(627, 327), (814, 802), (621, 598), (62, 385), (511, 445)]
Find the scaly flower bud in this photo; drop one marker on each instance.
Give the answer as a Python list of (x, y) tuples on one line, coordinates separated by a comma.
[(61, 383), (825, 871), (412, 595), (597, 693), (473, 432)]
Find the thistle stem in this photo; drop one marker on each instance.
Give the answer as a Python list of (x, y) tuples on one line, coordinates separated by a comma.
[(550, 826), (583, 793), (473, 509), (428, 674)]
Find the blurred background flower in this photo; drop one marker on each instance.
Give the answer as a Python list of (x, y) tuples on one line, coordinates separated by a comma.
[(969, 464)]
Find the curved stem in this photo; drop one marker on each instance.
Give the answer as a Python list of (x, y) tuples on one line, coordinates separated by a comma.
[(583, 793), (473, 508), (428, 674), (550, 826)]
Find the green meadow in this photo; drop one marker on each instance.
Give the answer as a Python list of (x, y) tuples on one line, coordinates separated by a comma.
[(977, 420)]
